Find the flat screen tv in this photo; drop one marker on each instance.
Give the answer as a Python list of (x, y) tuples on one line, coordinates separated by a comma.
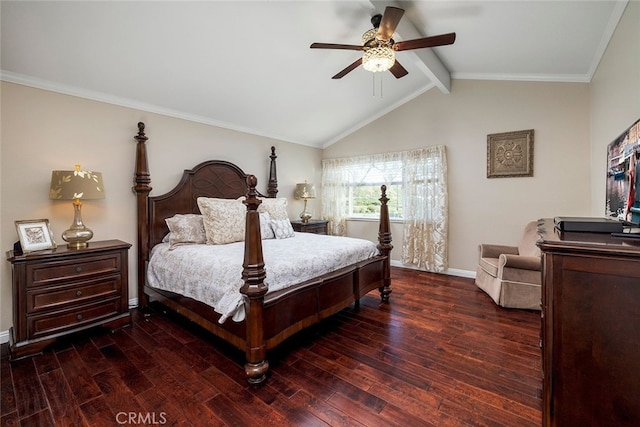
[(619, 155)]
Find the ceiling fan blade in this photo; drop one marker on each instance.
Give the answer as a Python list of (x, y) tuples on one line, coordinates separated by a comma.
[(335, 46), (433, 41), (398, 70), (390, 21), (347, 70)]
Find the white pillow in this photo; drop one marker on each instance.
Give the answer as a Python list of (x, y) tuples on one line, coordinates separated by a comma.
[(266, 232), (186, 229), (282, 228), (224, 220)]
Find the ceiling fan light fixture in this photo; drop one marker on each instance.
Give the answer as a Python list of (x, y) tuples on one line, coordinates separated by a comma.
[(369, 35), (378, 59)]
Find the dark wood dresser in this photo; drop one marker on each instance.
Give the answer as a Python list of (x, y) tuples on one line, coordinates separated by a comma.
[(60, 291), (317, 226), (590, 328)]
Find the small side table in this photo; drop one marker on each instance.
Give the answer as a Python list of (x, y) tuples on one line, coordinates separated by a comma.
[(316, 226), (61, 291)]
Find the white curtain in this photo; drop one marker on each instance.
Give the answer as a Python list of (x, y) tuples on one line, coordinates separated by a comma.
[(335, 191), (425, 209)]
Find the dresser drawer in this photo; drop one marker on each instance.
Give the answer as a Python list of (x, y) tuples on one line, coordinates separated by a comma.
[(61, 321), (55, 298), (40, 274)]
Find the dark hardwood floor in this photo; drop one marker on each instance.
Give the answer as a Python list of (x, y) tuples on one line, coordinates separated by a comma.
[(440, 354)]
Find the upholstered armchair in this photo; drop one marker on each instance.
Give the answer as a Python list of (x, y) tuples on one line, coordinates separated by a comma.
[(511, 275)]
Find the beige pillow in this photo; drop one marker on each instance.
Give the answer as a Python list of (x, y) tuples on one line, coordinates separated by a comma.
[(224, 220), (276, 208), (186, 229)]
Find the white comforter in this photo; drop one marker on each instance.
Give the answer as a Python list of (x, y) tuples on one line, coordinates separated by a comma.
[(213, 273)]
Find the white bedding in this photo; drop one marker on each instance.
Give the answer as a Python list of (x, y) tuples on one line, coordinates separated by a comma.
[(213, 273)]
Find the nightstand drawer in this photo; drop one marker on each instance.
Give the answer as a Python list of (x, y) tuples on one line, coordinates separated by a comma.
[(60, 321), (49, 273), (315, 226), (56, 298)]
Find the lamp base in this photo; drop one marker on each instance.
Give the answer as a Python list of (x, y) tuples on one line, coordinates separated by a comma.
[(77, 238), (305, 216), (78, 235)]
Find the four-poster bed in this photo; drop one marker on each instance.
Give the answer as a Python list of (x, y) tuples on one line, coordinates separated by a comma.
[(270, 315)]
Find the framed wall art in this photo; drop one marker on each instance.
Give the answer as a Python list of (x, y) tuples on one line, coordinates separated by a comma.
[(35, 235), (510, 154)]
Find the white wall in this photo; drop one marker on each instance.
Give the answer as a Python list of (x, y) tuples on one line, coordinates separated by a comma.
[(43, 131), (482, 209), (614, 97)]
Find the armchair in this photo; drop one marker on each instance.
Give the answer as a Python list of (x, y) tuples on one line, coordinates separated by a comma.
[(511, 275)]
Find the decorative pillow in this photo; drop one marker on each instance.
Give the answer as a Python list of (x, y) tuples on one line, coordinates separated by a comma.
[(276, 208), (185, 229), (265, 226), (224, 220), (282, 228)]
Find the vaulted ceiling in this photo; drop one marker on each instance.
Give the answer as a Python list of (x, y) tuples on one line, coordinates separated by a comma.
[(247, 65)]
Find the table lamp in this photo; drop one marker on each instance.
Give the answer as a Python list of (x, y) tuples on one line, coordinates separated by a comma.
[(76, 185), (305, 191)]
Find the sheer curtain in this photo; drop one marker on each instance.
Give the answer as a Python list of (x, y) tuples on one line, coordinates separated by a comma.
[(426, 211), (335, 191), (425, 199)]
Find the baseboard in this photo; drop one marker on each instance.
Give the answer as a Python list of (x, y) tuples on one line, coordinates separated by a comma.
[(449, 271)]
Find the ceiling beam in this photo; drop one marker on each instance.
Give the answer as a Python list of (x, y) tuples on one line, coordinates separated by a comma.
[(429, 63)]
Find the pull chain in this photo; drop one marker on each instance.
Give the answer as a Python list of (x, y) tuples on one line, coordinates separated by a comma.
[(373, 86)]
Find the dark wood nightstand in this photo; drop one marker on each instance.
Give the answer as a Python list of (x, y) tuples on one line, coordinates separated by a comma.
[(316, 226), (60, 291)]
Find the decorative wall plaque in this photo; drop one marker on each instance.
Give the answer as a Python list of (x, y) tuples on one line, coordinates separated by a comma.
[(510, 154)]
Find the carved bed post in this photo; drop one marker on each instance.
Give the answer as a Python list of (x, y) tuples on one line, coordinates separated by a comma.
[(142, 188), (384, 244), (254, 289), (272, 189)]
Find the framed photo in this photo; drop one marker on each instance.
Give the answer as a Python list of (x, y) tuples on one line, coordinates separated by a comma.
[(510, 154), (35, 235)]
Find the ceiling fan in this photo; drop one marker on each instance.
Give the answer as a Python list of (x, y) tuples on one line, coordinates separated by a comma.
[(379, 48)]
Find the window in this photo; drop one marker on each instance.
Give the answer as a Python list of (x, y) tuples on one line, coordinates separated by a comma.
[(364, 189), (417, 190)]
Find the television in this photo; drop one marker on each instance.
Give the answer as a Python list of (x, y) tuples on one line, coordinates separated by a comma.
[(619, 158)]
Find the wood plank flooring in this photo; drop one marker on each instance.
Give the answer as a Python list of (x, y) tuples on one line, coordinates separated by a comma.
[(440, 354)]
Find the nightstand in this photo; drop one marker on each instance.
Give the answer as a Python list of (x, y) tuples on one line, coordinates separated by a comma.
[(316, 226), (60, 291)]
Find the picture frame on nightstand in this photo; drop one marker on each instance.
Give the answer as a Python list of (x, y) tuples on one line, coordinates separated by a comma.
[(35, 235)]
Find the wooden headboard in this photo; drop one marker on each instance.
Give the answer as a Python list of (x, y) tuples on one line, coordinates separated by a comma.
[(213, 178)]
